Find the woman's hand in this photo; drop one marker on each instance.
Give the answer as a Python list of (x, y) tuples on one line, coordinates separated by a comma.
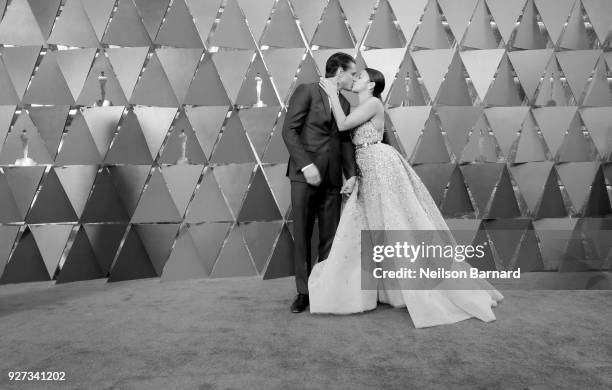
[(329, 86)]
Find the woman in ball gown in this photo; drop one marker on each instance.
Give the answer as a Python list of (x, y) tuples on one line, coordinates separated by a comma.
[(388, 195)]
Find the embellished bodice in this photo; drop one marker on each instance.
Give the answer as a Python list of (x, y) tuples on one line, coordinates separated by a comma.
[(367, 133)]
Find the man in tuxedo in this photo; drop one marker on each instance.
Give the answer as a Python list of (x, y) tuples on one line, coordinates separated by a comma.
[(319, 154)]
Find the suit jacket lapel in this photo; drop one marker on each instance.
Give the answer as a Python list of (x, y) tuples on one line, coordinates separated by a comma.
[(325, 102)]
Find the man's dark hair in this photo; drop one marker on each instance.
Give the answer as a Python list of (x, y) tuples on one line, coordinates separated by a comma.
[(336, 61)]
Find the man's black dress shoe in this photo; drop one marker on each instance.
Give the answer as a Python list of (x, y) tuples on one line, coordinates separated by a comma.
[(300, 304)]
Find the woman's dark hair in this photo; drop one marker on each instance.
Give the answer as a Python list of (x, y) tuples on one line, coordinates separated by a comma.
[(379, 82), (336, 61)]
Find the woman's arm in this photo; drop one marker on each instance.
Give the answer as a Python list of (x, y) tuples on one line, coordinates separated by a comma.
[(360, 115)]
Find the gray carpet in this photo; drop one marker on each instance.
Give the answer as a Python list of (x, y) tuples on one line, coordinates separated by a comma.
[(239, 334)]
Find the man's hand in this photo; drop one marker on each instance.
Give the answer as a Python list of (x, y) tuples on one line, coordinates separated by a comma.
[(349, 185), (311, 173)]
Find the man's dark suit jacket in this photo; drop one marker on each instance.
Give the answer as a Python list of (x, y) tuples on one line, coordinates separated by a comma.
[(311, 136)]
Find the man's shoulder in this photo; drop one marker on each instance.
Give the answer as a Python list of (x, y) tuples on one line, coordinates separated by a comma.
[(306, 86), (307, 89)]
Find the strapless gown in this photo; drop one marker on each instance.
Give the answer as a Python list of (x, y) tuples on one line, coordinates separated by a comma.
[(391, 196)]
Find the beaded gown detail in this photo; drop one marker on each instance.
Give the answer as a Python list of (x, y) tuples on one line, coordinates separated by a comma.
[(390, 195)]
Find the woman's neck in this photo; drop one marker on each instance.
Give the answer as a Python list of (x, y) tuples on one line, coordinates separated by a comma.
[(363, 96)]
